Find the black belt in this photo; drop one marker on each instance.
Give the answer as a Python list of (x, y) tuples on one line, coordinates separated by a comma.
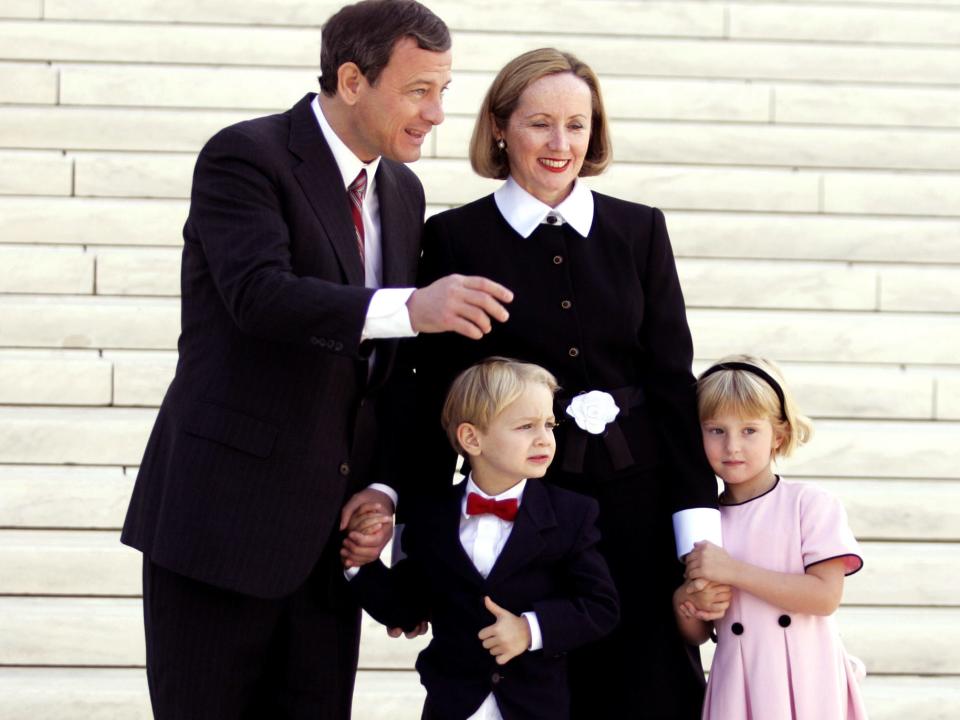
[(613, 438)]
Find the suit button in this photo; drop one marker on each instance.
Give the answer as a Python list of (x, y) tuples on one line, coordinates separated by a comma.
[(344, 469), (573, 352), (557, 259), (566, 304), (736, 629), (314, 341), (496, 678), (338, 346), (784, 621)]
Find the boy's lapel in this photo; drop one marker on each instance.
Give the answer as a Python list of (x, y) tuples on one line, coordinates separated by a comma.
[(449, 549), (525, 542)]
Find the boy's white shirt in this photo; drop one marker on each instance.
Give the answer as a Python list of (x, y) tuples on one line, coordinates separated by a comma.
[(483, 538)]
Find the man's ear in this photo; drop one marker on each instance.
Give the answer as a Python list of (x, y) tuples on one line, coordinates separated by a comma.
[(349, 82), (468, 436)]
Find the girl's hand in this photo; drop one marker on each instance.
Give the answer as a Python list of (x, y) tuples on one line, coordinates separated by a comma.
[(711, 562), (705, 600)]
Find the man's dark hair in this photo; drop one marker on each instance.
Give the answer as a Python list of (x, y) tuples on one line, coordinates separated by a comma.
[(365, 33)]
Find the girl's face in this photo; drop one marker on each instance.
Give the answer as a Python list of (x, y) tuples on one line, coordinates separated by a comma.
[(740, 451)]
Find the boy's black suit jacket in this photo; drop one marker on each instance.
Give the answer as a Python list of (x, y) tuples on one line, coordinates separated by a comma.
[(550, 565), (271, 418)]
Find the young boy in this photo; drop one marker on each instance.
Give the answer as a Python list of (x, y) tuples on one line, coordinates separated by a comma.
[(507, 570)]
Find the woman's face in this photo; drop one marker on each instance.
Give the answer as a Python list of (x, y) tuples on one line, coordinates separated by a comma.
[(548, 134)]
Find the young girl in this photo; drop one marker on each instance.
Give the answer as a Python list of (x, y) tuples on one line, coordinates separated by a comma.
[(787, 548)]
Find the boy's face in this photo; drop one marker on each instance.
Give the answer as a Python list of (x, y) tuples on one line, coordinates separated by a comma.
[(519, 442)]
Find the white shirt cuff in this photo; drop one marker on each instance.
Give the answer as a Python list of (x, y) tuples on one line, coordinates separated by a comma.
[(536, 637), (696, 524), (386, 490), (387, 315), (351, 572)]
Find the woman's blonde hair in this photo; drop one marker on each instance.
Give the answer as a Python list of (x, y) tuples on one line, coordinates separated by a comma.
[(482, 391), (727, 388), (502, 99)]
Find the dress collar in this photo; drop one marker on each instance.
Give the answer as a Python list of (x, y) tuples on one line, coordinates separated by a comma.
[(348, 163), (515, 492), (524, 212)]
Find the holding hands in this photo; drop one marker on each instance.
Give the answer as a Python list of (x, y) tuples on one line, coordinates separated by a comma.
[(711, 562), (702, 600), (368, 520), (508, 637)]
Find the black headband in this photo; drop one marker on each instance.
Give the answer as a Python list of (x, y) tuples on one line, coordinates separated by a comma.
[(753, 370)]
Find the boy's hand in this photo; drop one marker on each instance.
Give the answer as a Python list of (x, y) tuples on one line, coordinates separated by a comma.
[(703, 600), (711, 562), (508, 637), (369, 529), (420, 629)]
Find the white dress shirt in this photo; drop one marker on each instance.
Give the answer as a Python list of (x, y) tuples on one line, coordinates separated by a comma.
[(524, 213), (483, 538), (387, 315)]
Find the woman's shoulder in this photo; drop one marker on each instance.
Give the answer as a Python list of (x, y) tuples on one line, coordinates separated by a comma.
[(608, 204), (464, 214)]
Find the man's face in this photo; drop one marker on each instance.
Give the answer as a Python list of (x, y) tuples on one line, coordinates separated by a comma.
[(394, 116)]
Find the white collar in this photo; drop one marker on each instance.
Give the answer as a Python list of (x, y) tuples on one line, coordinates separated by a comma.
[(524, 212), (515, 492), (348, 163)]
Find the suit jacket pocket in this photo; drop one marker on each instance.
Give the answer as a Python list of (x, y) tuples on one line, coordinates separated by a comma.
[(230, 428)]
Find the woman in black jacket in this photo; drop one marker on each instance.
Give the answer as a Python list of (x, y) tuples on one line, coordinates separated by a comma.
[(597, 302)]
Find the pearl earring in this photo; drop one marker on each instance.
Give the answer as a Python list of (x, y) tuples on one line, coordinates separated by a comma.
[(501, 144)]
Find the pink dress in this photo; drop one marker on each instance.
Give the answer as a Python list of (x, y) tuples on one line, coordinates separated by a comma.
[(770, 664)]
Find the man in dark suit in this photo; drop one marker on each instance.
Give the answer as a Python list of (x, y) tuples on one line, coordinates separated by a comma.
[(300, 251)]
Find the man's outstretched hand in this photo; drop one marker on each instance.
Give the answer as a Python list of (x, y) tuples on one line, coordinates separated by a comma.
[(464, 304)]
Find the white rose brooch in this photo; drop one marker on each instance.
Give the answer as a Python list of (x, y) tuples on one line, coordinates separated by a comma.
[(592, 411)]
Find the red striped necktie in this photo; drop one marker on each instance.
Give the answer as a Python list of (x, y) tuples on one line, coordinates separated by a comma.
[(356, 192)]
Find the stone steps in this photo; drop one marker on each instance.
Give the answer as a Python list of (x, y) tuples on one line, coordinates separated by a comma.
[(105, 694), (880, 508), (107, 632), (94, 563)]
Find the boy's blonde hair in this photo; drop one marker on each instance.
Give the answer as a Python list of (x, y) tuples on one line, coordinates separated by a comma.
[(482, 391), (747, 395)]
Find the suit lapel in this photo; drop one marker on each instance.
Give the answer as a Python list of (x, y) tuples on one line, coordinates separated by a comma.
[(449, 549), (525, 542), (322, 185), (399, 229)]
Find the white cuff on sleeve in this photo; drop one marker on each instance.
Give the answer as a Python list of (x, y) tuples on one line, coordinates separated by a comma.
[(386, 490), (387, 315), (696, 524), (350, 573), (536, 637)]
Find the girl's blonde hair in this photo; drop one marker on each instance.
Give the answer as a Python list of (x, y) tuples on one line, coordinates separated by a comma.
[(482, 391), (747, 395)]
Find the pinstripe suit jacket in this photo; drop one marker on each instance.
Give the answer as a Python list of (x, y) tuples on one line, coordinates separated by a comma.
[(271, 419)]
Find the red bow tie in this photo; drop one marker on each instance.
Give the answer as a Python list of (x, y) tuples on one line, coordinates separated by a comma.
[(479, 505)]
